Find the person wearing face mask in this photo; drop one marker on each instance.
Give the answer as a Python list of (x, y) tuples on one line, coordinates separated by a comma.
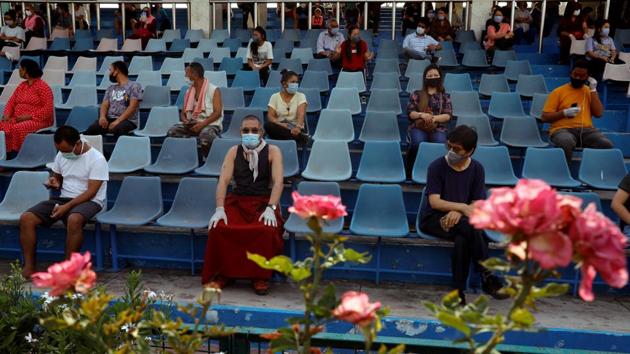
[(328, 41), (454, 183), (260, 54), (29, 109), (570, 109), (572, 26), (440, 28), (148, 22), (11, 34), (498, 33), (33, 24), (248, 220), (81, 173), (429, 111), (202, 113), (286, 117), (354, 51), (317, 20), (411, 16), (522, 22), (600, 49), (420, 45), (119, 110)]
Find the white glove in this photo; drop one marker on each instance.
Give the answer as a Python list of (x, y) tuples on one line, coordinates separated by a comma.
[(571, 112), (219, 214), (592, 83), (268, 217)]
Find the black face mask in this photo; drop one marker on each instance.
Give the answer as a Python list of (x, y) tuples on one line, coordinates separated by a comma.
[(577, 83), (433, 82), (112, 78)]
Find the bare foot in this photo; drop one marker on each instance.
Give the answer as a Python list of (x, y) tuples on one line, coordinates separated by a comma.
[(27, 271)]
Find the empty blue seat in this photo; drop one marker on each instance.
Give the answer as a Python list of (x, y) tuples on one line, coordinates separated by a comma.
[(274, 79), (466, 104), (551, 70), (587, 198), (177, 156), (549, 165), (602, 168), (506, 105), (171, 34), (232, 98), (491, 83), (427, 153), (380, 211), (131, 153), (260, 100), (384, 101), (176, 80), (155, 96), (160, 120), (538, 103), (140, 63), (302, 54), (107, 62), (194, 35), (448, 59), (497, 165), (83, 78), (179, 45), (234, 130), (313, 99), (206, 45), (481, 124), (232, 43), (291, 35), (37, 150), (81, 33), (83, 44), (247, 80), (475, 58), (294, 65), (457, 82), (385, 81), (553, 83), (345, 98), (25, 190), (353, 79), (501, 57), (149, 78), (320, 65), (529, 85), (313, 79), (462, 36), (285, 46), (295, 224), (179, 102), (218, 149), (60, 44), (386, 66), (170, 65), (217, 78), (381, 161), (220, 35), (415, 67), (81, 117), (328, 161), (467, 46), (334, 125), (231, 65), (193, 204), (290, 162), (217, 54), (612, 121), (514, 68), (155, 45), (380, 126), (80, 96), (521, 132)]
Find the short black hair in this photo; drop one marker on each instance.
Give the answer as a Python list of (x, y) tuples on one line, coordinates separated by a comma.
[(285, 75), (32, 68), (68, 134), (582, 64), (464, 136), (197, 68), (11, 14), (121, 67)]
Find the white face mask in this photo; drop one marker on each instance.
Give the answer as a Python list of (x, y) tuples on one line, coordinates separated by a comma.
[(420, 31), (576, 13), (28, 13)]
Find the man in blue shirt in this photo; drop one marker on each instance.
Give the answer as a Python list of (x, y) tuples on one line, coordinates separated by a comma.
[(420, 45), (454, 183)]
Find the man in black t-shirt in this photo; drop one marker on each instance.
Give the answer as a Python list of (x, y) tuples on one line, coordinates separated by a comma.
[(621, 202), (454, 182)]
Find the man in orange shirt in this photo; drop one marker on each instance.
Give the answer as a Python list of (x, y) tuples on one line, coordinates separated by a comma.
[(570, 108)]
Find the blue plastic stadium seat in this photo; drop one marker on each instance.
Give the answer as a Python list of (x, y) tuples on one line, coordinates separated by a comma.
[(25, 190), (448, 59), (587, 198), (247, 80), (233, 44), (351, 80), (612, 121), (288, 148), (334, 125), (60, 44), (380, 211), (243, 34), (139, 202), (466, 104), (107, 62), (553, 83), (295, 224), (193, 204), (462, 36), (231, 65), (328, 161), (155, 96), (457, 82), (549, 165), (302, 54), (260, 100), (291, 35), (206, 45), (131, 153), (160, 120), (380, 126), (529, 85), (218, 149), (194, 35), (149, 78), (381, 162), (241, 54), (274, 79), (155, 45), (421, 234), (313, 79), (427, 153), (481, 124), (497, 165), (385, 81), (207, 63), (313, 99), (232, 98), (538, 103), (217, 54), (468, 46), (171, 34), (491, 83), (140, 63), (386, 66), (83, 78), (176, 80), (475, 58), (521, 132), (83, 44), (81, 117), (179, 102), (415, 83), (217, 78), (320, 65), (514, 68), (36, 151), (602, 169), (416, 67), (506, 105), (170, 65), (177, 156), (234, 130), (81, 33), (502, 56), (384, 101), (80, 96), (220, 35), (294, 65), (552, 70)]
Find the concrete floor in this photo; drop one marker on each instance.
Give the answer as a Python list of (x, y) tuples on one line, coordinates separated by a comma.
[(606, 313)]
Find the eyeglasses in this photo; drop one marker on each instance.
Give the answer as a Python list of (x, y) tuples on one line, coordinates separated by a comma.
[(250, 130)]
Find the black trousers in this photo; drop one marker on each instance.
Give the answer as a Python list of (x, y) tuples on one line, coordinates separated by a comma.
[(470, 246), (124, 128), (278, 132)]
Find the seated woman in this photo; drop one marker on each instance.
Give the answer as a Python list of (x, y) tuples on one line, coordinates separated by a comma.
[(29, 109), (11, 34), (33, 24), (499, 34), (148, 22), (354, 51), (429, 111), (441, 28), (621, 203), (600, 49), (572, 26), (523, 24), (286, 118), (260, 54), (317, 21)]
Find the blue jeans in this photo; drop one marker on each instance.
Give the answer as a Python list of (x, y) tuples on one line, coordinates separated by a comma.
[(417, 136)]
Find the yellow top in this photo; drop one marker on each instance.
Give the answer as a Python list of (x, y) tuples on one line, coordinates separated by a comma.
[(564, 97)]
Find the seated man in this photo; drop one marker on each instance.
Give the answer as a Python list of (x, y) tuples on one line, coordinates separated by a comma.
[(202, 114), (119, 110), (248, 219), (621, 203), (327, 43), (454, 182), (419, 45), (570, 108), (80, 171)]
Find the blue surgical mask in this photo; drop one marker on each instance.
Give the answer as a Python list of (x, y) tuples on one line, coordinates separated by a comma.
[(454, 158), (605, 32), (71, 155), (292, 87), (334, 31), (498, 19), (251, 141)]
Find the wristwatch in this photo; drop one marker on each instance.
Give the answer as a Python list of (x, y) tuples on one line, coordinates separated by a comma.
[(272, 206)]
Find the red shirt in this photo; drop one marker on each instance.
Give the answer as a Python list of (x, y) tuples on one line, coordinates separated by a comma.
[(356, 61)]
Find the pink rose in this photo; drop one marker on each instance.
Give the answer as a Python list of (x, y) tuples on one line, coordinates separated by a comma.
[(74, 273), (599, 245), (355, 307), (550, 250), (326, 207)]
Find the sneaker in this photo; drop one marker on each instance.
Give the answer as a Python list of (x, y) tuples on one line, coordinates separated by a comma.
[(491, 284), (261, 287)]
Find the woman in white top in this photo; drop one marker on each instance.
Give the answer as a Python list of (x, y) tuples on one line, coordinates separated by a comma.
[(11, 34), (286, 118), (260, 54)]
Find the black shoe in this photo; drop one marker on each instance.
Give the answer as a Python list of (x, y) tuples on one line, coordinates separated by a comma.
[(491, 284)]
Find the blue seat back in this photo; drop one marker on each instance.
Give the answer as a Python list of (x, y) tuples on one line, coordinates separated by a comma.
[(193, 205), (381, 161), (602, 168), (514, 68), (177, 154), (481, 124), (139, 195), (288, 148), (234, 130), (457, 82), (232, 98), (380, 211), (231, 65), (380, 126), (218, 149), (294, 65), (521, 132), (313, 99), (491, 83), (496, 164), (334, 125), (25, 190), (247, 80), (466, 104), (506, 105), (384, 101), (427, 153), (320, 65), (160, 120), (261, 98), (501, 57), (529, 85), (313, 79), (549, 165), (81, 117), (155, 96), (328, 161)]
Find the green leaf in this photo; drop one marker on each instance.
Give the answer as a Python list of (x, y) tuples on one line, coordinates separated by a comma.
[(451, 300), (550, 290), (497, 264), (280, 264), (431, 307), (400, 348), (454, 322), (299, 274), (351, 255), (523, 317)]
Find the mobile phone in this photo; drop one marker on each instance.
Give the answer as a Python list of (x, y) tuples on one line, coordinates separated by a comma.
[(574, 105)]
